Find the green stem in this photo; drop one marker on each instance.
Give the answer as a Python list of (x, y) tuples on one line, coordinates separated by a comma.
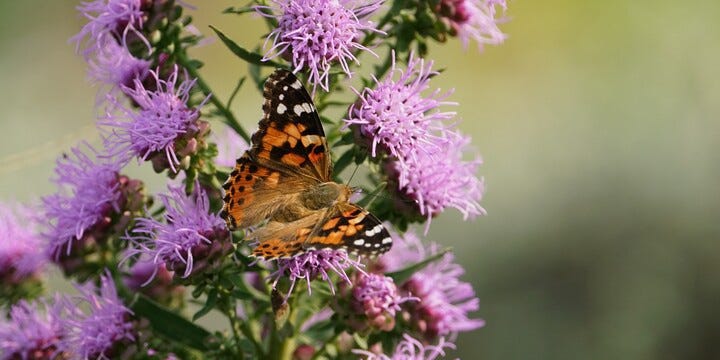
[(228, 116), (235, 326)]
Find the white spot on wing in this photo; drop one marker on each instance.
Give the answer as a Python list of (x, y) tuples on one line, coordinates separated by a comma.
[(281, 97), (376, 230), (386, 240), (296, 84), (298, 110), (281, 109), (358, 242)]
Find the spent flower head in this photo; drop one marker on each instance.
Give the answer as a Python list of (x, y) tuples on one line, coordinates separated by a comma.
[(97, 324), (89, 192), (445, 301), (160, 121), (32, 331), (189, 240), (19, 244), (315, 34), (314, 263), (397, 117)]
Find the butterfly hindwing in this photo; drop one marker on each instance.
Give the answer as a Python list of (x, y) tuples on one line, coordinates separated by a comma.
[(354, 229), (253, 192), (290, 133)]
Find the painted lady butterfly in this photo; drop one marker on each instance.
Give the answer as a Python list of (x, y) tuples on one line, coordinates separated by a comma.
[(285, 179)]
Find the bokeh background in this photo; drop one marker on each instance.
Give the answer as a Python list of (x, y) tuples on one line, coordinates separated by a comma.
[(598, 123)]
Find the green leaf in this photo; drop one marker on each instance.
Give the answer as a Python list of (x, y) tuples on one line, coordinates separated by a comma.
[(343, 161), (242, 53), (242, 295), (361, 341), (238, 10), (402, 275), (235, 91), (209, 304), (171, 325)]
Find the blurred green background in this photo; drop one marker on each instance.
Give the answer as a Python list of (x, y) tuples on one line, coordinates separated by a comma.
[(598, 123)]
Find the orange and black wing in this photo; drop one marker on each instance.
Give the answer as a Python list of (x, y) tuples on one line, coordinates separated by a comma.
[(288, 155), (253, 192), (354, 229), (290, 135)]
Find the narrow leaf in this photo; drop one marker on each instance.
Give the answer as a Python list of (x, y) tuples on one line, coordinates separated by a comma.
[(402, 275), (209, 305), (242, 53), (170, 324)]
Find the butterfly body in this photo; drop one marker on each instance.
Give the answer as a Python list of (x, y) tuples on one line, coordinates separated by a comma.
[(285, 182)]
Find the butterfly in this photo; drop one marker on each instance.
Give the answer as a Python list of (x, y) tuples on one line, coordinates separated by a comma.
[(285, 182)]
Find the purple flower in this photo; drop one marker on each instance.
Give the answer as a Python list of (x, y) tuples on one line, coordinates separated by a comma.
[(410, 349), (89, 192), (314, 263), (314, 34), (108, 19), (376, 297), (115, 67), (441, 180), (161, 119), (31, 333), (444, 300), (190, 239), (397, 117), (229, 144), (19, 244), (473, 20), (97, 324)]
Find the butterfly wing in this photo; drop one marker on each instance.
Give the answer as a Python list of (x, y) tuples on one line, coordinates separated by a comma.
[(349, 227), (288, 155), (291, 135), (354, 229), (254, 192)]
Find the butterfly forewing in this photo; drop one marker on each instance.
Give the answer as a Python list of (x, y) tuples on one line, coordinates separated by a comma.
[(290, 133)]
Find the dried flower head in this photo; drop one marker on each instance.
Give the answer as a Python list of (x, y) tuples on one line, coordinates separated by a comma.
[(162, 118), (97, 324), (89, 191), (397, 117), (189, 240), (314, 34)]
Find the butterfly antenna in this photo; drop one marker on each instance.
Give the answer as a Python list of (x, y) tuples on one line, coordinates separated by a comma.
[(352, 175)]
